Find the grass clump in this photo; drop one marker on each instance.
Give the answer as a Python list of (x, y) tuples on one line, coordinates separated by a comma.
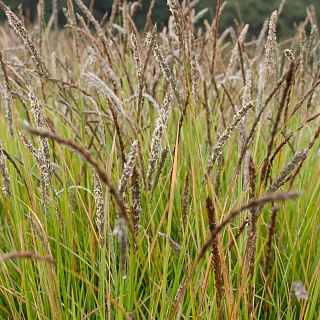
[(126, 156)]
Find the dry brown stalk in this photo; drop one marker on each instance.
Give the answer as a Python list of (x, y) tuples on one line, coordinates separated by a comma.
[(125, 24), (252, 203), (26, 255)]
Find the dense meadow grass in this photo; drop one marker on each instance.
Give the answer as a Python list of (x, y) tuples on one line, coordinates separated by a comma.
[(159, 174)]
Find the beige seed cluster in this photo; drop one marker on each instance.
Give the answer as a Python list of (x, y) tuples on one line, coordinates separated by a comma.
[(161, 125), (4, 172), (98, 196), (20, 30)]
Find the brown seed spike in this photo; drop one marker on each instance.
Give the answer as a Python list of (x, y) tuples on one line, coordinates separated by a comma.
[(4, 172), (8, 96), (20, 30), (214, 250)]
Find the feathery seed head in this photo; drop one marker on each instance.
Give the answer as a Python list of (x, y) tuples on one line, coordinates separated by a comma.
[(271, 48), (161, 124), (128, 168), (299, 291), (4, 172), (98, 196), (297, 158), (20, 30)]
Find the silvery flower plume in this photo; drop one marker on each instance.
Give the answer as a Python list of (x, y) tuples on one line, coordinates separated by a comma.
[(4, 172), (161, 124), (98, 196), (297, 158), (128, 168), (164, 68), (223, 138), (20, 30)]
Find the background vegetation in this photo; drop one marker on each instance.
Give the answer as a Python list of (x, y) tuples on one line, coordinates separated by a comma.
[(253, 12)]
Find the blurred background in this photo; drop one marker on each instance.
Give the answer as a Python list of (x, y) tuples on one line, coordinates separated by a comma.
[(253, 12)]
